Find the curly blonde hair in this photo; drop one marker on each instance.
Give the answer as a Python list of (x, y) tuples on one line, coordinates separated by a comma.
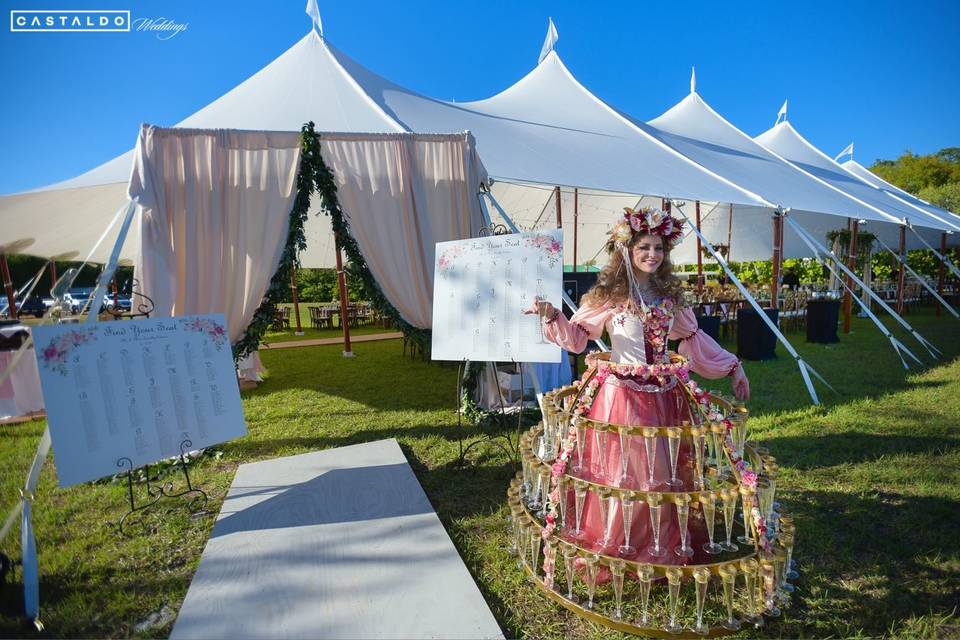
[(613, 286)]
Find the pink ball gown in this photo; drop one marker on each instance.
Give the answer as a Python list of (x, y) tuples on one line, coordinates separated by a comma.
[(628, 395)]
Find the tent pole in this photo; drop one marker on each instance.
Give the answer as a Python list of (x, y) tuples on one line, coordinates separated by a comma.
[(943, 269), (775, 281), (556, 193), (53, 274), (296, 298), (854, 226), (8, 285), (729, 233), (576, 211), (901, 275), (699, 253), (344, 317)]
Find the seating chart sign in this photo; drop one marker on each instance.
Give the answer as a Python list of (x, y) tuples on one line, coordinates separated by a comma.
[(136, 390), (481, 288)]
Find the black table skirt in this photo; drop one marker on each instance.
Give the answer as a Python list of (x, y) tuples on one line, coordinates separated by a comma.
[(755, 341), (710, 325), (822, 318)]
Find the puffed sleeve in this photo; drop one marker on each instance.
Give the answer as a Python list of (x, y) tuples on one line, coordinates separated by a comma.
[(706, 357), (586, 324)]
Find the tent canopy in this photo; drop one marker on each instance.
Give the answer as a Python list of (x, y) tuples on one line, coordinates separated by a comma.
[(546, 129), (899, 194)]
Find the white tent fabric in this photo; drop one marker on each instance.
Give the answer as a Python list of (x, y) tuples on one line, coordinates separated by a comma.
[(214, 218), (896, 192), (546, 129), (696, 130), (787, 142), (216, 205)]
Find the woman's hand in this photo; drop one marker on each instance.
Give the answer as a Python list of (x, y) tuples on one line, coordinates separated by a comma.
[(542, 307), (741, 386)]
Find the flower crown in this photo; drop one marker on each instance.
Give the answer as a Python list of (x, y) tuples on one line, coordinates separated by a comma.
[(647, 221)]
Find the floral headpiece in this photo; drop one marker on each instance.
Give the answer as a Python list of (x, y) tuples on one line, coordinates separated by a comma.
[(647, 221)]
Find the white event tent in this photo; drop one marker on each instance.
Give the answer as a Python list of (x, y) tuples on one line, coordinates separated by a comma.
[(546, 129), (899, 194)]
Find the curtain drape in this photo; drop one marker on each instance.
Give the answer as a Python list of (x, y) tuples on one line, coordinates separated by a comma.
[(216, 206), (401, 194)]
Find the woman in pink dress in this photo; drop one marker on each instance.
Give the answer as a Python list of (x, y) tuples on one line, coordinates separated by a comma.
[(638, 301)]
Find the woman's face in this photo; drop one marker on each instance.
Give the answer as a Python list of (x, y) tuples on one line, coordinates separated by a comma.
[(647, 253)]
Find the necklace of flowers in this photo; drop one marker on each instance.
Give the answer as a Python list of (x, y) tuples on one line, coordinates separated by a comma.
[(747, 476)]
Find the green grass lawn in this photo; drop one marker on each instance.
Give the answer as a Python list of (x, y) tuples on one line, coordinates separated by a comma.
[(873, 479)]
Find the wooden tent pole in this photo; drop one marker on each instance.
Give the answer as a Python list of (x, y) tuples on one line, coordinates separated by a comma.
[(8, 286), (296, 299), (943, 269), (699, 252), (854, 226), (344, 316), (903, 259)]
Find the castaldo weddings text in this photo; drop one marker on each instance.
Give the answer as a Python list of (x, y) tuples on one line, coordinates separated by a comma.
[(165, 28)]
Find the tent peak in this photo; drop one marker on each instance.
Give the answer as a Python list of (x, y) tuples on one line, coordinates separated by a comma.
[(693, 79), (313, 11), (550, 41), (782, 114)]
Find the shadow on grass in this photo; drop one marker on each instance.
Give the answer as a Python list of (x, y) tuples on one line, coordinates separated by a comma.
[(873, 559), (813, 452)]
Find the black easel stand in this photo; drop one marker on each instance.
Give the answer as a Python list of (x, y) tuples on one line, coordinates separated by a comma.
[(155, 492), (508, 446)]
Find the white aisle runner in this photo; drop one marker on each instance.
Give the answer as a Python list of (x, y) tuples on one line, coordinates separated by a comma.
[(341, 543)]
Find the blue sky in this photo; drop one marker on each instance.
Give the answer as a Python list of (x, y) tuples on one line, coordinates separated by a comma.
[(882, 74)]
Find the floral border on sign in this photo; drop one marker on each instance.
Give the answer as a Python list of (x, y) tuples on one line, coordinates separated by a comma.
[(54, 355), (215, 331), (448, 257), (548, 245)]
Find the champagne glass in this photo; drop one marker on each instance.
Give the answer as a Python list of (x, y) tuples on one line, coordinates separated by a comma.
[(580, 495), (569, 552), (645, 573), (746, 506), (563, 484), (516, 511), (650, 447), (699, 440), (768, 575), (536, 478), (682, 503), (708, 504), (627, 504), (600, 437), (593, 569), (617, 566), (786, 524), (718, 433), (729, 497), (674, 575), (748, 566), (524, 540), (603, 503), (673, 440), (545, 475), (653, 506), (580, 426), (625, 478), (536, 540), (701, 578), (728, 574), (779, 564)]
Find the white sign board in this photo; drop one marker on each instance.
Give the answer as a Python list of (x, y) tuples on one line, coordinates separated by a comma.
[(136, 390), (481, 287)]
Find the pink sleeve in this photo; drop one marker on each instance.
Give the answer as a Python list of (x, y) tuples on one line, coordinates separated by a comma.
[(706, 357), (586, 324)]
